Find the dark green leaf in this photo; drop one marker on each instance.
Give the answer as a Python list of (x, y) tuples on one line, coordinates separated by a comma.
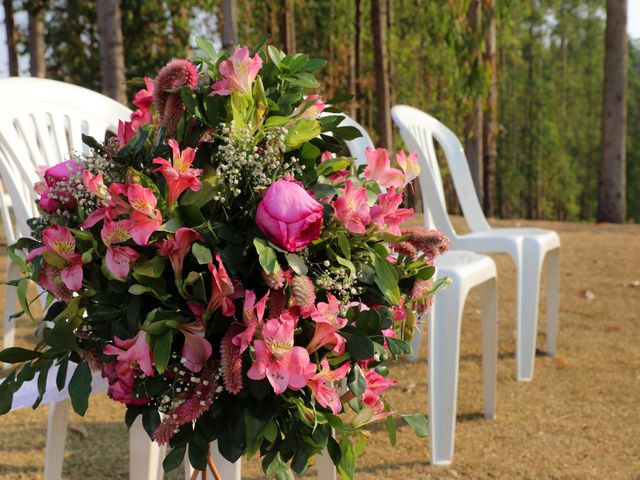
[(418, 422), (18, 355), (174, 458), (202, 254), (80, 388), (347, 464), (360, 346), (398, 347), (150, 421), (356, 381), (162, 350)]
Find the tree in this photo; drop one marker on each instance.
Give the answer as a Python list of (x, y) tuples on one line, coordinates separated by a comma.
[(230, 26), (379, 28), (287, 27), (37, 65), (12, 38), (490, 120), (357, 64), (612, 185), (111, 50)]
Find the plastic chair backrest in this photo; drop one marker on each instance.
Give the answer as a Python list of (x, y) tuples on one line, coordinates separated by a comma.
[(419, 130), (41, 121)]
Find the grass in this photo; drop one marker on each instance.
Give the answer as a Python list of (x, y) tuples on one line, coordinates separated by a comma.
[(579, 417)]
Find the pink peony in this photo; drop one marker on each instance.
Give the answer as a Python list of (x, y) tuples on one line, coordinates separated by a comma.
[(289, 216), (56, 192)]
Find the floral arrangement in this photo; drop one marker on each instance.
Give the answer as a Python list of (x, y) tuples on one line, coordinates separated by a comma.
[(231, 272)]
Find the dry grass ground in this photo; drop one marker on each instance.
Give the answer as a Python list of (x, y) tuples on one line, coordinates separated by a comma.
[(578, 419)]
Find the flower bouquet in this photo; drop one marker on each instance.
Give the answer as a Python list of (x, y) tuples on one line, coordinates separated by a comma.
[(228, 269)]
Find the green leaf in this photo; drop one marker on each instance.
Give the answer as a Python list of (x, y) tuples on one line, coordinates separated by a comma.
[(23, 283), (61, 376), (266, 255), (359, 346), (333, 165), (42, 382), (61, 336), (275, 55), (271, 431), (150, 420), (347, 465), (398, 347), (279, 469), (356, 381), (202, 254), (386, 278), (174, 458), (345, 247), (303, 131), (296, 263), (347, 133), (390, 425), (207, 47), (418, 422), (162, 350), (153, 268), (276, 121), (253, 432), (324, 190), (80, 388), (309, 151), (18, 355)]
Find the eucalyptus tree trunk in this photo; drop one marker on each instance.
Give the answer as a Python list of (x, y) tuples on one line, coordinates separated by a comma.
[(111, 50), (12, 38), (381, 65), (230, 26), (357, 47), (490, 128), (287, 27), (473, 124), (37, 64), (612, 185)]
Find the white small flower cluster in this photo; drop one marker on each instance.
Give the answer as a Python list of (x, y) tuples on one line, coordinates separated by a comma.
[(340, 282)]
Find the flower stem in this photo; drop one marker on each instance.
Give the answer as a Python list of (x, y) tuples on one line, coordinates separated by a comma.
[(212, 467)]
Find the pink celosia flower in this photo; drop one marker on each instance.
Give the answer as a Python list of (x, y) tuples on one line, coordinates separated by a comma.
[(134, 352), (231, 361), (60, 242), (421, 303), (179, 174), (289, 216), (252, 316), (328, 322), (277, 359), (303, 293), (376, 386), (386, 213), (351, 208), (175, 74), (409, 165), (405, 249), (222, 289), (430, 242), (323, 387), (238, 73), (178, 248), (379, 168)]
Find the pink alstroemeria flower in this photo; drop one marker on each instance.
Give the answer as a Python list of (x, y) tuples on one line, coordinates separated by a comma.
[(178, 248), (409, 165), (126, 132), (351, 208), (379, 169), (323, 387), (386, 213), (313, 106), (145, 217), (134, 352), (371, 413), (115, 204), (197, 349), (337, 177), (118, 258), (238, 72), (252, 316), (284, 365), (376, 386), (222, 289), (60, 242), (328, 322), (143, 100), (179, 174)]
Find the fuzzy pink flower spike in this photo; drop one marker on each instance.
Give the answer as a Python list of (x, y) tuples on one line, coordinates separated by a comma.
[(177, 73)]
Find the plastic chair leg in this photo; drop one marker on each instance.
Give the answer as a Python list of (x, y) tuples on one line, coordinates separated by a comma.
[(489, 296), (145, 456), (553, 298), (227, 470), (56, 438), (326, 468), (529, 269), (444, 354)]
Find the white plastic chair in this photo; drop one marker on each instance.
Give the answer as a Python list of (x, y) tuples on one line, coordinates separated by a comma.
[(467, 270), (40, 122), (527, 246)]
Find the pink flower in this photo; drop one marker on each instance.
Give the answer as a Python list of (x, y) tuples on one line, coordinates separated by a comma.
[(178, 248), (118, 258), (387, 214), (126, 131), (197, 349), (146, 219), (321, 384), (289, 216), (179, 175), (115, 204), (379, 169), (328, 322), (175, 74), (134, 352), (60, 242), (371, 413), (221, 289), (376, 386), (238, 72), (121, 378), (409, 165), (56, 191), (351, 208), (310, 108), (252, 316), (143, 100), (284, 365), (334, 178)]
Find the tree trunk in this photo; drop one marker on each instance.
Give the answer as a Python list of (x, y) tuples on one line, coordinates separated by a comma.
[(358, 61), (612, 185), (111, 50), (36, 38), (12, 38), (379, 27), (473, 124), (230, 26), (490, 128), (288, 27)]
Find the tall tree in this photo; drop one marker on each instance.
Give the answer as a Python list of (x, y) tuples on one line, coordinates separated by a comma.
[(379, 28), (490, 120), (287, 27), (357, 66), (612, 185), (230, 26), (37, 65), (111, 49), (12, 38), (473, 125)]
